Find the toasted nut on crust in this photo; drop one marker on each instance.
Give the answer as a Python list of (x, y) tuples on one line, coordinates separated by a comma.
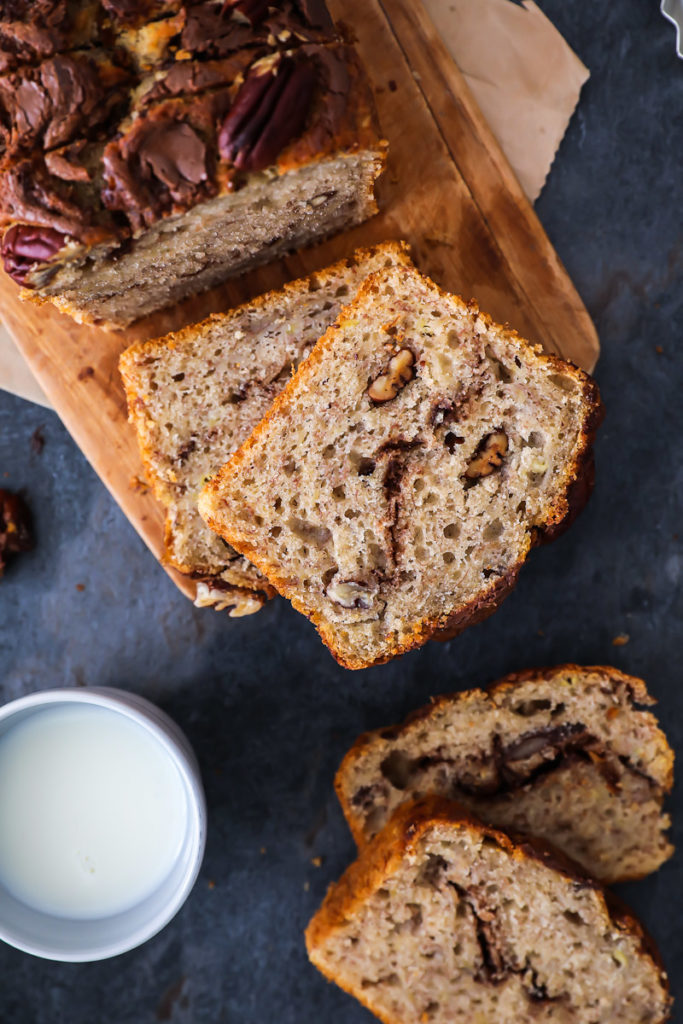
[(488, 456), (349, 594), (399, 372)]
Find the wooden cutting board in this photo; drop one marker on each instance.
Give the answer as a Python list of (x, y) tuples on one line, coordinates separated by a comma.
[(448, 190)]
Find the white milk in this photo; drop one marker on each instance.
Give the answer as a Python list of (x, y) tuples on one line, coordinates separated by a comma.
[(92, 811)]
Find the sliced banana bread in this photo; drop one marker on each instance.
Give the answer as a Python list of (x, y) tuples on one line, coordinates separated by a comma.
[(196, 395), (249, 130), (443, 919), (398, 483), (568, 754)]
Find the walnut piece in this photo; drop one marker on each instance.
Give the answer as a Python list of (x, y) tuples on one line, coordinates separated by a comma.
[(349, 594), (488, 456), (15, 527), (399, 372), (233, 600)]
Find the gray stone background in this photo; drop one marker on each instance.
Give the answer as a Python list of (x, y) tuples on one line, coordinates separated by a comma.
[(269, 712)]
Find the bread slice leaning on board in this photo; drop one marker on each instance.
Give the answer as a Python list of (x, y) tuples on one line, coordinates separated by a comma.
[(443, 919), (568, 754), (395, 488), (194, 396)]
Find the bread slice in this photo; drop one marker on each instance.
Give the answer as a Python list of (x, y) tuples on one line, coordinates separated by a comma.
[(196, 395), (567, 754), (396, 486), (443, 919)]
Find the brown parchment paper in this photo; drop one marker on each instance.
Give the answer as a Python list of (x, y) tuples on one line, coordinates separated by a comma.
[(523, 75)]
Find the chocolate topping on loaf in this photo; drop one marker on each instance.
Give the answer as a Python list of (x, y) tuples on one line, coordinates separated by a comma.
[(31, 31), (165, 163), (134, 12), (218, 28), (58, 101), (189, 77), (181, 151), (189, 105)]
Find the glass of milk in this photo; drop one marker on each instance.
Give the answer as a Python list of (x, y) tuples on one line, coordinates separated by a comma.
[(102, 822)]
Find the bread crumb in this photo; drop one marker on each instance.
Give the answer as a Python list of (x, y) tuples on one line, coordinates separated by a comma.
[(80, 587), (620, 640), (659, 350), (211, 884), (317, 862), (38, 441), (263, 849), (307, 886), (139, 485)]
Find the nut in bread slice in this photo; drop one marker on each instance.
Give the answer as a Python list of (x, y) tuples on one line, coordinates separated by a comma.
[(396, 486)]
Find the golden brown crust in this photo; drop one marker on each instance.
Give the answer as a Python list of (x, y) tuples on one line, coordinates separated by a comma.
[(134, 355), (562, 509), (635, 686), (383, 855)]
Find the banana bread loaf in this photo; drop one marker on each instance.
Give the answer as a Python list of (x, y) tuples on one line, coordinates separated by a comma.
[(259, 139), (567, 754), (398, 483), (443, 919), (194, 396)]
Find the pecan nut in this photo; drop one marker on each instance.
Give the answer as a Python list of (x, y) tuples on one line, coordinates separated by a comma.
[(270, 109), (350, 593), (399, 372), (24, 246), (488, 456), (15, 527)]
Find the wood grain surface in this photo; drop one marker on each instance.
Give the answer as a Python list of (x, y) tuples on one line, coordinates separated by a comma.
[(448, 190)]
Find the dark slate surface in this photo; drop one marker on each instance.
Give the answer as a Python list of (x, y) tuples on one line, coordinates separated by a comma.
[(267, 709)]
